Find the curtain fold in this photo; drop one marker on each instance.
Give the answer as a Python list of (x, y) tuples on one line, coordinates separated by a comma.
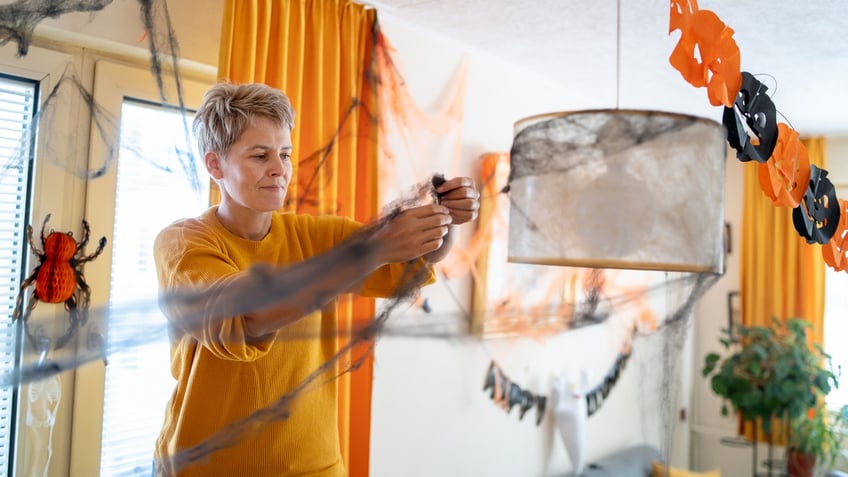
[(319, 53), (782, 276)]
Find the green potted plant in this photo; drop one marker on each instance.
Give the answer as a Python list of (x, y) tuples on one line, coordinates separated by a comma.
[(816, 437), (773, 372), (769, 371)]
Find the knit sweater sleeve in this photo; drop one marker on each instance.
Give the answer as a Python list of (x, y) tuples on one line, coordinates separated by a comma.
[(390, 279), (190, 259)]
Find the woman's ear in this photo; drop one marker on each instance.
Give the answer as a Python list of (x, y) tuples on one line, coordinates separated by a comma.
[(213, 164)]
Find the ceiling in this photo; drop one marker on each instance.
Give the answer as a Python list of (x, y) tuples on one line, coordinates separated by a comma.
[(797, 49)]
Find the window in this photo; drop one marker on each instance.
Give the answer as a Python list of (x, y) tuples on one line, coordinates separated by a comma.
[(18, 98), (836, 329), (835, 324), (118, 409), (152, 191)]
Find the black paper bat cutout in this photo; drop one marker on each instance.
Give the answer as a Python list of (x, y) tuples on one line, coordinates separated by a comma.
[(598, 395), (511, 394), (753, 114), (817, 216)]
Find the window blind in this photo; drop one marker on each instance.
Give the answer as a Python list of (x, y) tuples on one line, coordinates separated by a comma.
[(17, 107), (152, 191)]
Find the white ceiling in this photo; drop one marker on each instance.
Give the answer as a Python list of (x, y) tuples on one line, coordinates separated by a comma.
[(573, 43)]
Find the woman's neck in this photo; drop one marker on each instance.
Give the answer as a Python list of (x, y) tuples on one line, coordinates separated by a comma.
[(245, 223)]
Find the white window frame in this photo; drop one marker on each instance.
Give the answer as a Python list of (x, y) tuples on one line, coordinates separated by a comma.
[(112, 83), (61, 194), (841, 192), (69, 198)]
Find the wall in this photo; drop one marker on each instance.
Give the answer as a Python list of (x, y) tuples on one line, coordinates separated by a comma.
[(118, 27), (430, 415), (709, 427), (837, 162)]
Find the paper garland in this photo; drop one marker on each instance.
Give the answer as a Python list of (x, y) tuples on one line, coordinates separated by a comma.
[(785, 175), (718, 68), (507, 394)]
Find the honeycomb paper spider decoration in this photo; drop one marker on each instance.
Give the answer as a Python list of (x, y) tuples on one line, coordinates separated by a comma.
[(58, 278)]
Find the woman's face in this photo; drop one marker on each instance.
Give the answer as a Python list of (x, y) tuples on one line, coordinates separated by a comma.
[(256, 171)]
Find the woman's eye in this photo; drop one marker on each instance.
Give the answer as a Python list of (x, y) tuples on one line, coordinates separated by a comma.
[(285, 156)]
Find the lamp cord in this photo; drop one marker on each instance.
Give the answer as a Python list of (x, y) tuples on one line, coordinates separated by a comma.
[(617, 53)]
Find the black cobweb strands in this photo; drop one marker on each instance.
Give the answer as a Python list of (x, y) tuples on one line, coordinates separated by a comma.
[(660, 356), (104, 123), (672, 334), (19, 18), (660, 396), (436, 327), (317, 161), (303, 284), (263, 286), (321, 157), (413, 277), (159, 42), (163, 40), (539, 151), (17, 23)]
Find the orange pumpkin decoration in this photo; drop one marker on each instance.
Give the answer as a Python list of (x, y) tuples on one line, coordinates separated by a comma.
[(835, 252), (785, 176), (718, 51)]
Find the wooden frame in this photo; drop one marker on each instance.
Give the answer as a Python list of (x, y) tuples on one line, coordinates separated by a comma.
[(734, 309), (511, 298)]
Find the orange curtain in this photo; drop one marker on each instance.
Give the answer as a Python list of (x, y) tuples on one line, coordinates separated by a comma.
[(318, 52), (782, 276)]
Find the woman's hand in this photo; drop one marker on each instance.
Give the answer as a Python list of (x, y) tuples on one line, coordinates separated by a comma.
[(413, 233), (461, 199)]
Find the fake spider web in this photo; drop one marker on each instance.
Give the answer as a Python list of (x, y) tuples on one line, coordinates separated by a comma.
[(403, 119)]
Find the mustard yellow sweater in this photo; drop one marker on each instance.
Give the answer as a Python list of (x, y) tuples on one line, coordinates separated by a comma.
[(222, 377)]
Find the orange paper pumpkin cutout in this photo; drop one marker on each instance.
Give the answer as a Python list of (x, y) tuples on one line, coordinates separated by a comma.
[(835, 251), (785, 176), (718, 51)]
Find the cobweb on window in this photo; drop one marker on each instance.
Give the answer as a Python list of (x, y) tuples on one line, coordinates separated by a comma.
[(17, 24)]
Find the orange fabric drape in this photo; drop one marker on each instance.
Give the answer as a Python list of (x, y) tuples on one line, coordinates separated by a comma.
[(318, 52), (782, 276)]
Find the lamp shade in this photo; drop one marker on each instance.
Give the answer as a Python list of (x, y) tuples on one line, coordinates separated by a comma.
[(618, 189)]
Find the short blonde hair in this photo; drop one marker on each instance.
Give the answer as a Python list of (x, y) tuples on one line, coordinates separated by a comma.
[(228, 109)]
